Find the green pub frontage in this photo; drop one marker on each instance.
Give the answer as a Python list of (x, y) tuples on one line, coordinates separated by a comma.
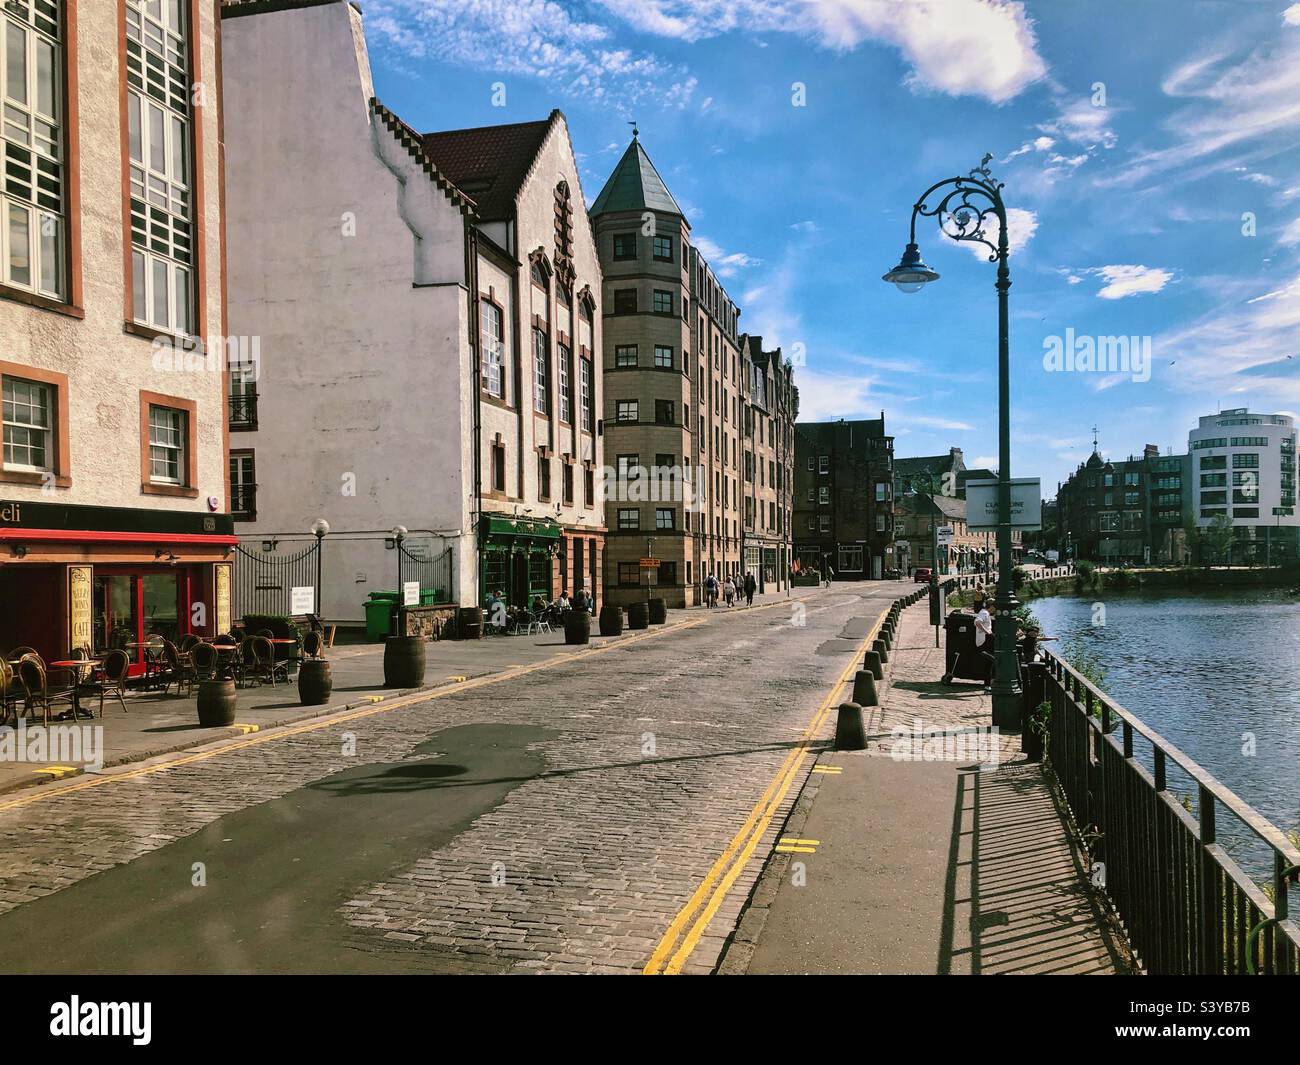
[(103, 577), (518, 558)]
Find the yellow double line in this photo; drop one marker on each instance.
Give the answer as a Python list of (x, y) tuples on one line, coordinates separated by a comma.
[(675, 948), (327, 721)]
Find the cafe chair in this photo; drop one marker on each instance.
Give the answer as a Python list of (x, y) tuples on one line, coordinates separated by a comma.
[(245, 663), (21, 652), (9, 689), (279, 667), (204, 659), (188, 641), (31, 671), (313, 644), (112, 678), (180, 670)]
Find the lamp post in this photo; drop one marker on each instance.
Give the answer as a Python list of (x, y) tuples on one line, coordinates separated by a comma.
[(399, 534), (320, 529), (964, 207), (935, 611)]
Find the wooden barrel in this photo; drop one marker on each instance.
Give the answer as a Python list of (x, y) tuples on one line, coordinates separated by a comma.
[(403, 661), (611, 620), (658, 610), (216, 703), (315, 682), (577, 626), (469, 622), (638, 616)]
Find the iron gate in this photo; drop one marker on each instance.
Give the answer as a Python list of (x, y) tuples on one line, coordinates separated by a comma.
[(264, 581), (419, 560)]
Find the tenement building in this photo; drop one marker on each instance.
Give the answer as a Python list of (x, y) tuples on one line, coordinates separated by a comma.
[(673, 410), (771, 405), (428, 307), (844, 498), (113, 521)]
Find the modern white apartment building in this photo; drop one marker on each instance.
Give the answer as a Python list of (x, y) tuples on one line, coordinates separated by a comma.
[(113, 521), (1244, 467)]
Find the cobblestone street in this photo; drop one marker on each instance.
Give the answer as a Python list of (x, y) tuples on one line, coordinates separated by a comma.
[(555, 817)]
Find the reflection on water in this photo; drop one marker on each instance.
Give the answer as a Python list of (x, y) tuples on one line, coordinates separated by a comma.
[(1207, 670)]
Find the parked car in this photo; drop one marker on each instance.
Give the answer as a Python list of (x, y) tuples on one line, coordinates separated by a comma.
[(923, 575)]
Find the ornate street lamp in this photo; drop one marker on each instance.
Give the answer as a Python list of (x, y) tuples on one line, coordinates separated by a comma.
[(320, 529), (964, 207)]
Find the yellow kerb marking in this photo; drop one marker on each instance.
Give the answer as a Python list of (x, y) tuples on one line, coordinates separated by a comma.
[(800, 842), (246, 729), (785, 849), (708, 897), (57, 771)]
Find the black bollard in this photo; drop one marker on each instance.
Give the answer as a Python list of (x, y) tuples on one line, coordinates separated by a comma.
[(864, 688), (850, 735), (878, 646), (872, 662)]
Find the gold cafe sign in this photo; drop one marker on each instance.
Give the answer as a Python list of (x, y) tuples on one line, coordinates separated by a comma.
[(80, 630)]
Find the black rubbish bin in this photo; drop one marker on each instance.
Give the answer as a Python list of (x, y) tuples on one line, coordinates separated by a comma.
[(962, 659)]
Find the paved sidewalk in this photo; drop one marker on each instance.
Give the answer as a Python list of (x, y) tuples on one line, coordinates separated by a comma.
[(154, 724), (900, 860)]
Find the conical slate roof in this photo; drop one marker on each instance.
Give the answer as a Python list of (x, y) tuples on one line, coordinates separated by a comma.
[(635, 185)]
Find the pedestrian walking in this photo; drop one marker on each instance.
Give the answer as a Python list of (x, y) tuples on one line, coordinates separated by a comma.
[(751, 586), (711, 591), (729, 591), (830, 574)]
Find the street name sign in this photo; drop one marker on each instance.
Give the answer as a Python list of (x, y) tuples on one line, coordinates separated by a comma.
[(982, 504)]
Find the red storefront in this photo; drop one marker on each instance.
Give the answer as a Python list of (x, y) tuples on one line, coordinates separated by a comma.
[(73, 576)]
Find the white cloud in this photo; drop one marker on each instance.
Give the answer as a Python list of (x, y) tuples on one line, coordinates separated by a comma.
[(1239, 347), (984, 462), (1291, 16), (1237, 103), (824, 396), (807, 226), (1291, 234), (1130, 280), (1081, 122), (536, 38), (724, 263), (981, 48)]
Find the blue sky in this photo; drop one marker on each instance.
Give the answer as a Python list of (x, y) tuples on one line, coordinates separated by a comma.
[(1150, 150)]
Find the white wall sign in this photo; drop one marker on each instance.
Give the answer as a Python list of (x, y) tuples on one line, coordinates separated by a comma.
[(302, 600), (1026, 504), (944, 534), (411, 593)]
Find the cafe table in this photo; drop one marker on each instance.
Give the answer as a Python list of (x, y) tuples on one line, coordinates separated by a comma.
[(76, 665)]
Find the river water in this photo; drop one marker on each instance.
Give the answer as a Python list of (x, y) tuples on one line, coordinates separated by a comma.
[(1208, 670)]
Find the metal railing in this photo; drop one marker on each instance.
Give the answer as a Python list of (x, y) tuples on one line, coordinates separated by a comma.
[(419, 560), (243, 502), (264, 583), (243, 411), (1185, 904)]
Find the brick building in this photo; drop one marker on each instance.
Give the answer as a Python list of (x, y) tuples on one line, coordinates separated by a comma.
[(673, 372), (844, 497), (771, 405)]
